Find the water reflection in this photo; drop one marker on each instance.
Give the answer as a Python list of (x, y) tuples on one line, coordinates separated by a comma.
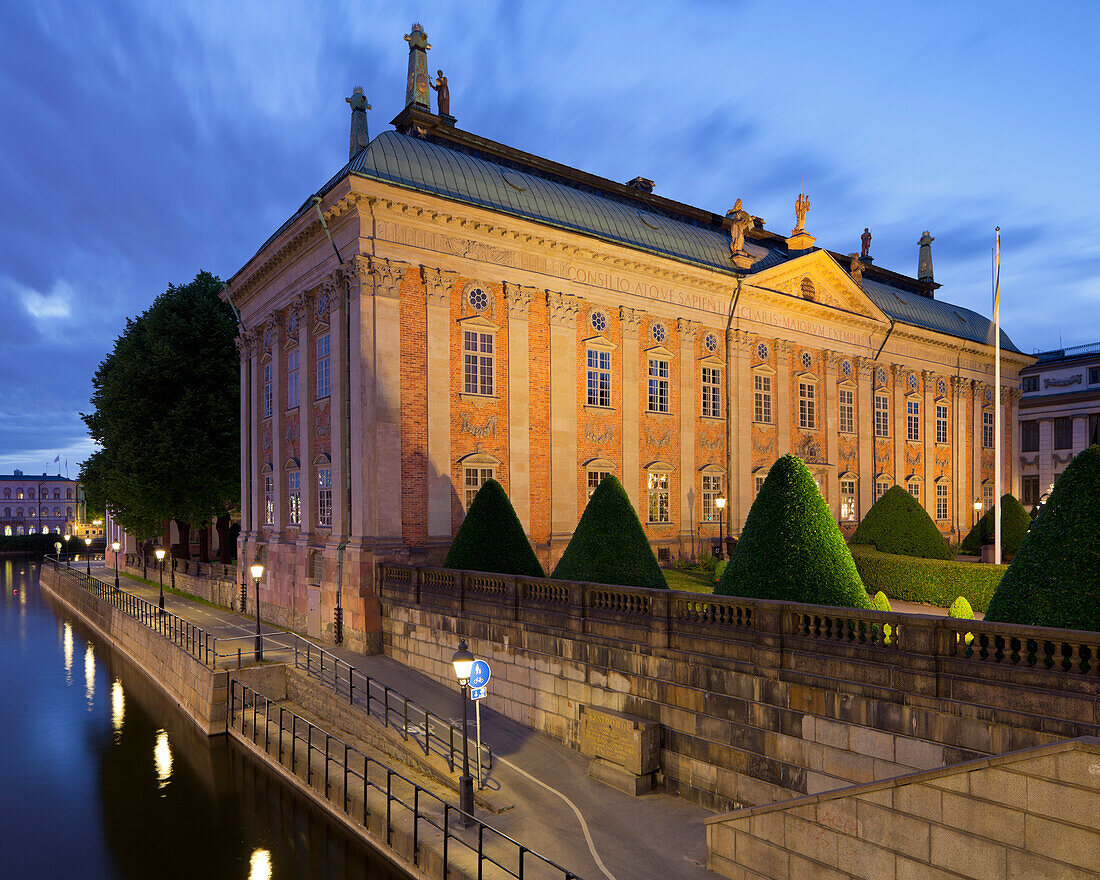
[(259, 866), (67, 639), (118, 707), (89, 674), (162, 756)]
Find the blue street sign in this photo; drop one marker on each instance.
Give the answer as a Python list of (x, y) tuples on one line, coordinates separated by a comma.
[(479, 693), (480, 674)]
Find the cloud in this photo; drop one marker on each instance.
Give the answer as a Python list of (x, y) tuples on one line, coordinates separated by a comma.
[(48, 306)]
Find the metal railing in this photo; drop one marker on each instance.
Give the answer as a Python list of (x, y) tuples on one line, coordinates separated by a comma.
[(333, 768), (393, 709)]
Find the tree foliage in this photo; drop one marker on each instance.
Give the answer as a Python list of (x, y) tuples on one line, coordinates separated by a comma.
[(791, 547), (1015, 521), (609, 545), (491, 537), (165, 413), (896, 523), (1054, 579)]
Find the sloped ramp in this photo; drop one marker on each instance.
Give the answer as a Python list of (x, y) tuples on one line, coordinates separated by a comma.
[(1032, 813)]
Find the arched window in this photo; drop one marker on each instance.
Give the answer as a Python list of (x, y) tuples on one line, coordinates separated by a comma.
[(30, 493), (57, 494), (68, 511), (7, 531), (19, 512), (7, 512), (7, 493), (68, 493), (57, 511)]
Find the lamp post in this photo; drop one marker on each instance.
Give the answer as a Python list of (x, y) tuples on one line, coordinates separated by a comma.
[(463, 662), (115, 548), (257, 573), (88, 560), (720, 503), (977, 510), (68, 555), (159, 553), (57, 547)]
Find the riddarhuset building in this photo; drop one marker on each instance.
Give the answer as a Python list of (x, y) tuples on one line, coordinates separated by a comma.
[(448, 309)]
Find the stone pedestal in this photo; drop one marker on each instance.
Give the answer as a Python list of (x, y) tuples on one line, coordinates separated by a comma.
[(624, 749)]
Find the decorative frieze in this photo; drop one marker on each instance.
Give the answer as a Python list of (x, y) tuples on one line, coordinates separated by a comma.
[(489, 429), (605, 436)]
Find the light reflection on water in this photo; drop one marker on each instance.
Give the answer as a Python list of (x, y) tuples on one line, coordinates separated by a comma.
[(162, 756), (89, 675), (118, 706)]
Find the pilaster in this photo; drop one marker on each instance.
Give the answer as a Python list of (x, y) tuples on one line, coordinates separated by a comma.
[(437, 290), (898, 396), (338, 391), (631, 321), (248, 450), (563, 416), (783, 395), (830, 404), (865, 373), (256, 402), (687, 331), (1012, 457), (518, 302), (278, 421), (964, 498), (306, 391), (928, 443), (740, 458), (977, 389)]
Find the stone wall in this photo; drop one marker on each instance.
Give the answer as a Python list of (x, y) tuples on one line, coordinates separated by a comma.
[(757, 701), (211, 581), (1034, 813), (198, 690)]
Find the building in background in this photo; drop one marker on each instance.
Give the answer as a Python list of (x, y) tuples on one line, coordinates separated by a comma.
[(483, 312), (1059, 415), (31, 505)]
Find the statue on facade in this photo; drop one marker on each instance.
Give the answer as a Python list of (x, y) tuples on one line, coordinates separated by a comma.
[(924, 259), (801, 208), (866, 241), (359, 135), (740, 223), (443, 93), (855, 268)]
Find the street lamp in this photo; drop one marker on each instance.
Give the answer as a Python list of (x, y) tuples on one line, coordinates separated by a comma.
[(720, 503), (257, 570), (57, 547), (977, 510), (115, 548), (463, 662), (68, 555), (159, 553), (88, 543)]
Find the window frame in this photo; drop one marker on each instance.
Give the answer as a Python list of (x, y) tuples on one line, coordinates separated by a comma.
[(478, 361), (324, 497), (658, 385), (294, 498), (1028, 482), (846, 415), (1029, 435), (762, 410), (598, 377), (268, 391), (711, 487), (807, 406), (943, 425), (293, 387), (943, 502), (849, 499), (323, 368), (881, 415), (269, 499), (910, 485), (658, 494), (599, 474), (988, 427), (711, 391), (1062, 433), (481, 474), (912, 420)]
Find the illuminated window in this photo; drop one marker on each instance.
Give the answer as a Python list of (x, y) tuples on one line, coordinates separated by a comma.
[(712, 488), (762, 399), (477, 362), (712, 393), (599, 378), (658, 498), (847, 411), (269, 499), (294, 498), (324, 496), (848, 501)]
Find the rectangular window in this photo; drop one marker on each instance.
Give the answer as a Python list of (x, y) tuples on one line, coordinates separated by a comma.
[(294, 498), (941, 501), (599, 378), (882, 415), (987, 430), (658, 498), (914, 490), (1029, 489), (1094, 430), (912, 419), (658, 385), (267, 391), (987, 496), (848, 501), (292, 379), (1031, 383), (712, 489), (941, 423), (881, 488), (758, 484), (324, 367), (594, 479), (269, 499), (762, 399), (1029, 436), (1063, 433), (473, 478), (807, 417), (477, 362), (712, 393), (1094, 376), (847, 411), (324, 496)]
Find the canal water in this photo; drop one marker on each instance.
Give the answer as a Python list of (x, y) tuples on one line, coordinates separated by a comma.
[(102, 777)]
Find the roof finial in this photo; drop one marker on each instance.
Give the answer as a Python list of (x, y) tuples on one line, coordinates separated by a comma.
[(359, 136), (924, 258), (416, 86)]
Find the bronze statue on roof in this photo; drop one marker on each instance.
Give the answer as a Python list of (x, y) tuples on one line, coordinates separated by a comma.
[(801, 208), (443, 93), (866, 242), (740, 222)]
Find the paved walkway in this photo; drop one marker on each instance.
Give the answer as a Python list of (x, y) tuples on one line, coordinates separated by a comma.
[(559, 811)]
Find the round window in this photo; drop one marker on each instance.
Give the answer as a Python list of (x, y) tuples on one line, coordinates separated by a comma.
[(881, 376), (807, 360), (941, 387), (322, 306), (598, 320), (846, 368), (912, 381), (710, 342), (762, 351), (659, 333), (478, 299)]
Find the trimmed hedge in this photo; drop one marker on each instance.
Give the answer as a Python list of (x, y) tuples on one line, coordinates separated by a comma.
[(491, 537), (1054, 580), (896, 523), (934, 581), (609, 545), (960, 609), (1015, 522), (791, 547)]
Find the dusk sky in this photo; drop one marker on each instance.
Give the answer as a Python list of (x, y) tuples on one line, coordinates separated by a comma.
[(142, 142)]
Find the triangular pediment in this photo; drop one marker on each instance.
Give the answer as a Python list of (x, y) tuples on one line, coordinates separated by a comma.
[(819, 279)]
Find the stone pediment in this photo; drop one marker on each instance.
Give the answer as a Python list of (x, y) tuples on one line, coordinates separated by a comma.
[(818, 278)]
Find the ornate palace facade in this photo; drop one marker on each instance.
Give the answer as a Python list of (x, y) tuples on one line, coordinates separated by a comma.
[(485, 312)]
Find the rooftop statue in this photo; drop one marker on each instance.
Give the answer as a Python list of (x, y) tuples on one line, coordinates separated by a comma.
[(740, 222), (359, 136), (416, 85), (866, 240), (856, 268), (443, 93), (924, 259), (801, 208)]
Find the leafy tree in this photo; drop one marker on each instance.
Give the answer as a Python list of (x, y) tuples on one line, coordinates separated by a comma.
[(1054, 579), (491, 537), (609, 545), (791, 547), (896, 523), (1015, 522), (166, 410)]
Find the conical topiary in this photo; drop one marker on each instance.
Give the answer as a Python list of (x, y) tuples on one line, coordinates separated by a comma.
[(1015, 522), (491, 537), (609, 545), (1054, 580), (791, 547), (897, 524)]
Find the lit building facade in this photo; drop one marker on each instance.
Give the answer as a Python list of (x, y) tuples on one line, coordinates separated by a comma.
[(1059, 415), (482, 312), (31, 505)]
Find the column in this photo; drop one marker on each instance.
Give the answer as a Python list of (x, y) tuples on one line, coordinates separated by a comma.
[(783, 396), (832, 445), (964, 498), (687, 375), (244, 350), (518, 301), (976, 390), (1012, 429), (630, 320), (865, 373), (387, 276), (740, 432), (338, 390), (437, 289), (306, 390), (278, 403), (257, 499), (898, 403), (928, 442), (563, 417), (1046, 455)]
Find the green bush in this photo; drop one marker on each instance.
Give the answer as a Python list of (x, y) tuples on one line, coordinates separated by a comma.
[(896, 523), (1054, 580), (718, 569), (1015, 522), (960, 609), (791, 547), (491, 537), (879, 602), (933, 581), (609, 545)]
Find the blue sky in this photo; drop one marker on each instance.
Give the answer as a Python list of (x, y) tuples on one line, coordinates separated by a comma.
[(141, 142)]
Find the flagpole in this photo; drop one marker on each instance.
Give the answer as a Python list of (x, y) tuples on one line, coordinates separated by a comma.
[(997, 405)]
